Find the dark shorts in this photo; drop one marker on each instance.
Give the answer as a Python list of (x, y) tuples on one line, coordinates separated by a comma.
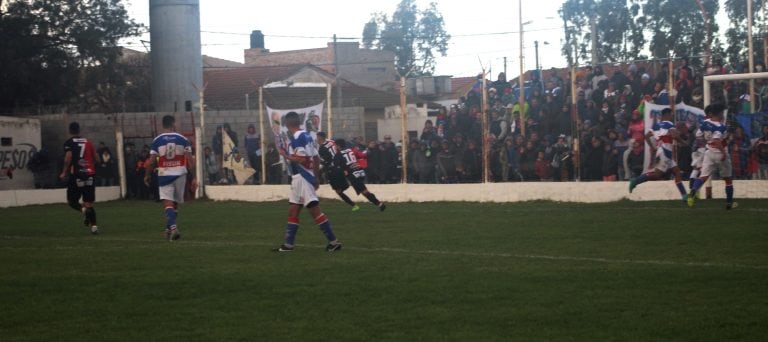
[(337, 180), (357, 183), (81, 188)]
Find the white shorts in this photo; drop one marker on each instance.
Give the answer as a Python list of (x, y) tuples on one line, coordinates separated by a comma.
[(697, 158), (664, 163), (175, 190), (713, 160), (302, 191)]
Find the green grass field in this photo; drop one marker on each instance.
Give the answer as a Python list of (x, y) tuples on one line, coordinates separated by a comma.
[(439, 271)]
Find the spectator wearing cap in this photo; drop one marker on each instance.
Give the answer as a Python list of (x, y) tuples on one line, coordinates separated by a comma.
[(645, 87), (493, 97)]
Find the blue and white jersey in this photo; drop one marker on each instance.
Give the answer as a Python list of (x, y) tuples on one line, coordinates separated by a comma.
[(170, 149), (711, 130), (302, 146), (662, 132)]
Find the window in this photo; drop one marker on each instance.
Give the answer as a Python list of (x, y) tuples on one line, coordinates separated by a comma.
[(377, 69)]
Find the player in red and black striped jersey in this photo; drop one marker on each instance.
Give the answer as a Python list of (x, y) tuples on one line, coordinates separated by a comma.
[(347, 159), (79, 169), (333, 173)]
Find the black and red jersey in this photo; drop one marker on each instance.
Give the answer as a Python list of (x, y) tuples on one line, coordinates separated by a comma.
[(83, 157), (327, 152)]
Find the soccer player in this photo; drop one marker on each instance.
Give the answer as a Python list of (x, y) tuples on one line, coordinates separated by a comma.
[(665, 134), (303, 164), (333, 173), (171, 154), (347, 159), (716, 157), (79, 169)]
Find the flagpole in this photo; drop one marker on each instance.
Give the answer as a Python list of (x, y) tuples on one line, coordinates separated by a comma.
[(261, 131)]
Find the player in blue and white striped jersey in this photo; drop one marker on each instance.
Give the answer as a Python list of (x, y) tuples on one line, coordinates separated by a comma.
[(665, 134), (716, 157), (171, 154), (303, 164)]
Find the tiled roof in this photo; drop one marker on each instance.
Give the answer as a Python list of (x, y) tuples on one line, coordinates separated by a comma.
[(226, 89), (213, 62), (460, 86)]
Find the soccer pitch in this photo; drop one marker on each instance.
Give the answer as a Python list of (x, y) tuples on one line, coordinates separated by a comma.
[(435, 271)]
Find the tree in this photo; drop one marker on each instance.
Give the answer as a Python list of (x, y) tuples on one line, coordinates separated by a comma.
[(626, 28), (47, 45), (736, 34), (415, 36), (618, 36), (678, 26)]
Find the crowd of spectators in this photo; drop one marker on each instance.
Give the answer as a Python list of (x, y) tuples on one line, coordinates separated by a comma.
[(607, 124), (535, 141)]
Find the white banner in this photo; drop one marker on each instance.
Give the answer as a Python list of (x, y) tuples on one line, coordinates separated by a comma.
[(692, 116), (311, 121)]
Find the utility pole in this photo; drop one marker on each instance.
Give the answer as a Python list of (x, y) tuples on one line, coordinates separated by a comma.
[(339, 101), (505, 66)]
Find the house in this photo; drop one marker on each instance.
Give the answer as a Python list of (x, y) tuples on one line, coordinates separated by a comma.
[(366, 67)]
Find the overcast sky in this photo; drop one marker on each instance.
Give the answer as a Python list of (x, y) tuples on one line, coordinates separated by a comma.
[(472, 24)]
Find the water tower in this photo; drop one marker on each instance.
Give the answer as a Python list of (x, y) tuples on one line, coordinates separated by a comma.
[(177, 62)]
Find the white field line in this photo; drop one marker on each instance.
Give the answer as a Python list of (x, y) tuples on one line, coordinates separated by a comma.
[(386, 250)]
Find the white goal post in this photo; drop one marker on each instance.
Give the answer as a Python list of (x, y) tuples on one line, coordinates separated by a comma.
[(729, 77)]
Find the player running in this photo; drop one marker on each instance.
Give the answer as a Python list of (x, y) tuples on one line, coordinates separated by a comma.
[(716, 157), (303, 164), (171, 154), (334, 174), (665, 133), (79, 169), (348, 160)]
